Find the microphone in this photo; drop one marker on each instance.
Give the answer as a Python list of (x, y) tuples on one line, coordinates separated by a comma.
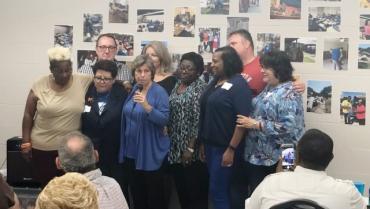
[(140, 88)]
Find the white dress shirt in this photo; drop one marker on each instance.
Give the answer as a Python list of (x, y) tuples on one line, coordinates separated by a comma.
[(307, 184), (110, 195)]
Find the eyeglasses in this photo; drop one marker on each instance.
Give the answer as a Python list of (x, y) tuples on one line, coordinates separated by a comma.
[(102, 79), (186, 68), (104, 48)]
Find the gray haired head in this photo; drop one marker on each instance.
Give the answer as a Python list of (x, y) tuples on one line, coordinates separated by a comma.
[(76, 154)]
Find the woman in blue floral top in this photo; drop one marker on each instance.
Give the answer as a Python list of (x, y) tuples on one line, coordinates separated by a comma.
[(189, 173), (278, 118)]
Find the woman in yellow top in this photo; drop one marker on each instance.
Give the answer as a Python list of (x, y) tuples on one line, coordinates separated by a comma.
[(53, 108)]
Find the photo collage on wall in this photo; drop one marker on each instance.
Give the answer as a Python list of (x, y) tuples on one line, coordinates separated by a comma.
[(323, 16)]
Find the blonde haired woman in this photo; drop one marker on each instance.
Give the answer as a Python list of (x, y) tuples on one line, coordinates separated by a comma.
[(53, 108), (161, 58), (71, 191)]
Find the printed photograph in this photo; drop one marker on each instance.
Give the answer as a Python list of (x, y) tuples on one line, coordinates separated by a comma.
[(353, 108), (267, 42), (125, 44), (150, 20), (364, 4), (364, 56), (63, 35), (184, 22), (335, 54), (85, 60), (217, 7), (285, 9), (175, 60), (118, 11), (207, 75), (324, 19), (365, 27), (250, 6), (144, 43), (324, 0), (236, 23), (93, 25), (319, 95), (209, 41), (301, 49)]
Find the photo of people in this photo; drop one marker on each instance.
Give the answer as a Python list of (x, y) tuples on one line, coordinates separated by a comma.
[(85, 60), (209, 41), (324, 19), (353, 108), (63, 35), (364, 3), (125, 45), (319, 96), (285, 9), (93, 25), (267, 41), (365, 27), (301, 49), (184, 22), (220, 7), (118, 11), (335, 54), (175, 60), (250, 6), (364, 56), (236, 23), (150, 20), (144, 43)]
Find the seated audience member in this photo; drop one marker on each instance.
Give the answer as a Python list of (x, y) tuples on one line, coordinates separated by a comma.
[(309, 180), (77, 154), (8, 199), (70, 191)]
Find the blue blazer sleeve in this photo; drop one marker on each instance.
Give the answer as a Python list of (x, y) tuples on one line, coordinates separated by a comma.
[(158, 99)]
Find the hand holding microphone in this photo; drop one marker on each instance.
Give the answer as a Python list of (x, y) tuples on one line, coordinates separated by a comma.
[(139, 96)]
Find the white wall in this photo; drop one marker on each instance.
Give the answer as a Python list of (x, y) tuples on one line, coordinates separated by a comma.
[(27, 32)]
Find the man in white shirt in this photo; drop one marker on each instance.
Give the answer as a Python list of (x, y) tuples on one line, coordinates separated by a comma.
[(77, 154), (309, 180)]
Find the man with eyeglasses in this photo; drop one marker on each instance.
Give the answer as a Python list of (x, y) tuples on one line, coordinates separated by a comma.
[(106, 49)]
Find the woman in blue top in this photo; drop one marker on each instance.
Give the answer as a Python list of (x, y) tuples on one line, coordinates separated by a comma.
[(144, 144), (225, 97), (277, 118)]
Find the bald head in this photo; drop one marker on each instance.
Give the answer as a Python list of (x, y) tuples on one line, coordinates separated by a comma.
[(76, 153)]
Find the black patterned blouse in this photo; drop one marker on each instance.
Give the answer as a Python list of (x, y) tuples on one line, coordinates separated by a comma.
[(184, 119)]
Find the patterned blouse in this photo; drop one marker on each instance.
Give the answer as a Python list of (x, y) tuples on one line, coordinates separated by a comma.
[(184, 119), (280, 109)]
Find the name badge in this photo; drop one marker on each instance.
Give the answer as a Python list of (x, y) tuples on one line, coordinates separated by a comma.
[(87, 108), (226, 86)]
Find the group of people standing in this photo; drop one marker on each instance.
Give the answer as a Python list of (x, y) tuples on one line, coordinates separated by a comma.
[(219, 139)]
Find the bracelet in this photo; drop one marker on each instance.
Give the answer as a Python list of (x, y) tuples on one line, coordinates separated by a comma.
[(232, 147), (190, 149)]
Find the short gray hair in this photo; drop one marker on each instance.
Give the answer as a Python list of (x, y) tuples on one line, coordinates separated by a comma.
[(80, 159)]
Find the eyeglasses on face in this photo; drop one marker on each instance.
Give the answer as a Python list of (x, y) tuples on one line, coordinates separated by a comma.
[(104, 48), (102, 79), (186, 68)]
